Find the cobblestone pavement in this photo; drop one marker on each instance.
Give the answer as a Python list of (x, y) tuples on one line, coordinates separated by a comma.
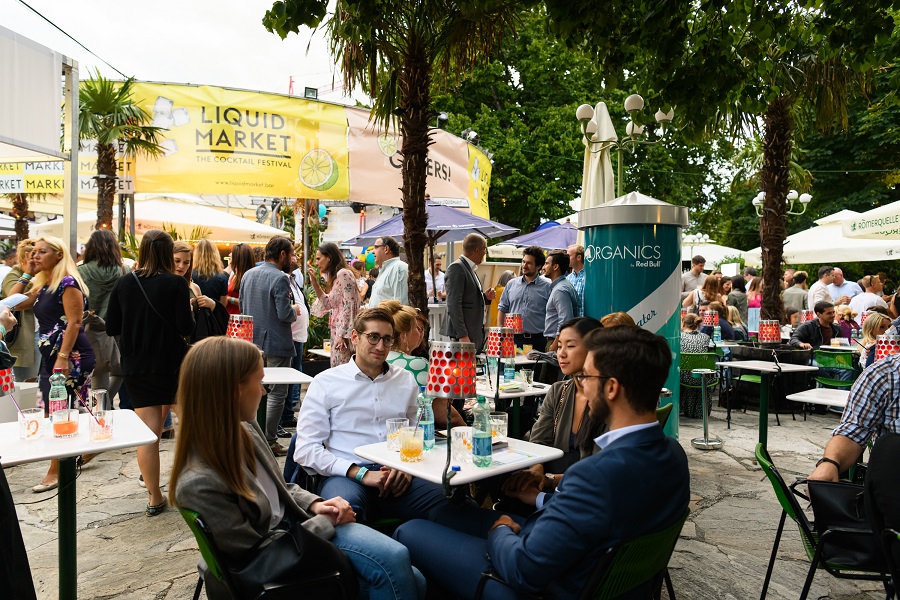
[(722, 552)]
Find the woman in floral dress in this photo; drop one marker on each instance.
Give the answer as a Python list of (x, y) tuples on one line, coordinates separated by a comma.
[(340, 297), (58, 297)]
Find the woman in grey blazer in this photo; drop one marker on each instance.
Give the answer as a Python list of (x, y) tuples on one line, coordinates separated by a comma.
[(224, 471)]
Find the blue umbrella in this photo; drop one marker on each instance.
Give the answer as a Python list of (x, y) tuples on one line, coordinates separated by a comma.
[(549, 238), (445, 224)]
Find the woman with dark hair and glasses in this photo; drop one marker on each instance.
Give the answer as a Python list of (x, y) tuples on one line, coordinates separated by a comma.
[(340, 297), (563, 421), (241, 261)]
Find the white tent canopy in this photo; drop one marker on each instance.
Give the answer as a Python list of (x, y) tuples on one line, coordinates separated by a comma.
[(184, 217), (826, 243), (713, 253), (882, 223)]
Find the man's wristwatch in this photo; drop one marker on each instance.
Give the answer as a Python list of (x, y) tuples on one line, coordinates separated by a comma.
[(551, 478), (828, 460)]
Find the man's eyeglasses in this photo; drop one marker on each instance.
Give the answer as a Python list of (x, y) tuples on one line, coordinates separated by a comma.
[(374, 338), (580, 377), (378, 245)]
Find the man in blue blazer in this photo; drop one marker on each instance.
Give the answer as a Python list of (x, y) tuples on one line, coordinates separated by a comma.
[(637, 484)]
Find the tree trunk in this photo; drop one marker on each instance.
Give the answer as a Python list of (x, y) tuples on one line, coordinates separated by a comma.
[(20, 213), (106, 184), (777, 141), (415, 112)]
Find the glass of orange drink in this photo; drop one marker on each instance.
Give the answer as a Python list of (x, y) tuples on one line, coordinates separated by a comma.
[(65, 423), (412, 441)]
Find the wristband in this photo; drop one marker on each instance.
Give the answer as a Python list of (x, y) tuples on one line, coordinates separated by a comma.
[(63, 355), (360, 474), (828, 460), (2, 331), (27, 277)]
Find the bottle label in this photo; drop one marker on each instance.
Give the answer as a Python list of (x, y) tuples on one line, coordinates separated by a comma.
[(428, 429), (57, 404), (481, 444)]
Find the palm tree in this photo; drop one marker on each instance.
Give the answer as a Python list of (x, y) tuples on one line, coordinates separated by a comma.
[(395, 51), (109, 114), (20, 213)]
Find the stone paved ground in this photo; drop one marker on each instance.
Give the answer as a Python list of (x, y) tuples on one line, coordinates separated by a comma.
[(722, 553)]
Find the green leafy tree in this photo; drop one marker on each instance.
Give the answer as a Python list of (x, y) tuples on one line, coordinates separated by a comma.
[(739, 66), (395, 49), (522, 104), (109, 114)]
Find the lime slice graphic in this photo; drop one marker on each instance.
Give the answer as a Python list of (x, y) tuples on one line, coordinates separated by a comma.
[(318, 170), (387, 144)]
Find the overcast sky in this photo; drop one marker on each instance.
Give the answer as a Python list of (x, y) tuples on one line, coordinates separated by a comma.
[(215, 42)]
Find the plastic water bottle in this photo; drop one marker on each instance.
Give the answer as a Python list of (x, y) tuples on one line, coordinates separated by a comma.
[(426, 418), (59, 397), (509, 369), (717, 334), (481, 434)]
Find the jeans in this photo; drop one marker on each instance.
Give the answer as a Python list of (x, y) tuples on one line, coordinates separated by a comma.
[(457, 570), (293, 397), (275, 398), (382, 565), (422, 500)]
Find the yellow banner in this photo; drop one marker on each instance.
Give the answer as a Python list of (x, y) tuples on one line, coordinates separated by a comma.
[(220, 141), (479, 171)]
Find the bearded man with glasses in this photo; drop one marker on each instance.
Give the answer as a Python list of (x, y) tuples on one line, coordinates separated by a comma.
[(348, 406)]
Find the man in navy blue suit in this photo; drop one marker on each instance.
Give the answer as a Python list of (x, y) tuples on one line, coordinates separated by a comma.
[(637, 484)]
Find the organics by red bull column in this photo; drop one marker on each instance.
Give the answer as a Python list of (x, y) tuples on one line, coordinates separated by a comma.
[(632, 258)]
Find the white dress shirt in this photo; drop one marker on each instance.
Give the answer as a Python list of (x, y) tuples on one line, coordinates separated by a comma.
[(344, 409), (818, 292)]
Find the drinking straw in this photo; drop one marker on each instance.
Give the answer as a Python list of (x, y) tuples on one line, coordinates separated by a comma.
[(77, 395), (19, 408)]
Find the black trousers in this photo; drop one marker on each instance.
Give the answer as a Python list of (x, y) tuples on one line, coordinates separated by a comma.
[(15, 574)]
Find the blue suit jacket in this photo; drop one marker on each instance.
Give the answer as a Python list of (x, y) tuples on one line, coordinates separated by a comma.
[(637, 485)]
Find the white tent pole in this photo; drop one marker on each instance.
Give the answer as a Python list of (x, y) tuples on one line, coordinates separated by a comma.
[(70, 166)]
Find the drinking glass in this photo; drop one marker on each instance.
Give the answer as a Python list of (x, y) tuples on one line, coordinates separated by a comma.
[(102, 425), (326, 345), (528, 375), (526, 348), (493, 364), (461, 444), (499, 425), (412, 444), (100, 400), (65, 423), (393, 432), (31, 423)]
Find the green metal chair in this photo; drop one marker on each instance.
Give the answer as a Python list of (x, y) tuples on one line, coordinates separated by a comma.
[(832, 359), (699, 360), (814, 544), (624, 567), (662, 414), (339, 582)]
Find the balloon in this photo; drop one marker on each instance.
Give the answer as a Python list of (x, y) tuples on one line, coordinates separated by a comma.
[(370, 260), (323, 210)]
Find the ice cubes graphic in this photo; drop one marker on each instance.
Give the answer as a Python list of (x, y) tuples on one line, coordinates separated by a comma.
[(169, 147), (162, 121), (181, 116), (163, 106)]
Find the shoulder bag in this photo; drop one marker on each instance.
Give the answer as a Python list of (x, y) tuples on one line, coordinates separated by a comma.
[(158, 314), (839, 509), (284, 556)]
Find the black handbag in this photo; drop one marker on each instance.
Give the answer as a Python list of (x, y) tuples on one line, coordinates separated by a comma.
[(285, 556), (209, 322), (13, 334), (839, 509)]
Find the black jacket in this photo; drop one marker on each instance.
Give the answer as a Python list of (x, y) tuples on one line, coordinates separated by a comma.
[(811, 333)]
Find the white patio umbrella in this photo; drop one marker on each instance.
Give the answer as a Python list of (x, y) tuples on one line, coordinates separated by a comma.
[(826, 243), (713, 253), (598, 180), (184, 217), (882, 223)]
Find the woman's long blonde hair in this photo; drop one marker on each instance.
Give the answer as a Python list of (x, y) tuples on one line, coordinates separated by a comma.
[(210, 415), (207, 260), (404, 317), (873, 321), (733, 315), (65, 266)]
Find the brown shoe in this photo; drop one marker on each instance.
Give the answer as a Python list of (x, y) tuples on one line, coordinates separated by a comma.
[(277, 449)]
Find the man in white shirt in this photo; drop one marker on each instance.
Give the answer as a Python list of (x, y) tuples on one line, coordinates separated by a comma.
[(393, 273), (348, 406), (871, 297), (693, 279), (818, 292), (434, 280), (842, 290)]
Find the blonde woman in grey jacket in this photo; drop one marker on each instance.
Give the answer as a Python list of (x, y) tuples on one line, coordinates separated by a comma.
[(224, 471)]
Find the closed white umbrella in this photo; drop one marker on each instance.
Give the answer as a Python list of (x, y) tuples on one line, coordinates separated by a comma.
[(826, 243), (598, 185), (882, 223)]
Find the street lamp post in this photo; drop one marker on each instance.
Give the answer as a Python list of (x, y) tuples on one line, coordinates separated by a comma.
[(796, 203), (633, 131), (692, 239)]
